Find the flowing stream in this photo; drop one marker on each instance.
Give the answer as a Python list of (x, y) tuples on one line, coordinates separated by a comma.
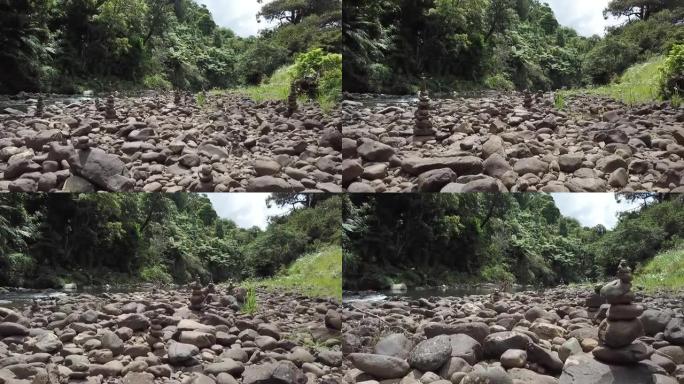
[(17, 298), (424, 292)]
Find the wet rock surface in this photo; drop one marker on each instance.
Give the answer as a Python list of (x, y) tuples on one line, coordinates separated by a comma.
[(155, 337), (158, 144), (501, 143), (528, 337)]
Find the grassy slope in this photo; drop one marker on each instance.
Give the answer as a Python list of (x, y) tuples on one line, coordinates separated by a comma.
[(277, 87), (639, 84), (666, 270), (314, 274)]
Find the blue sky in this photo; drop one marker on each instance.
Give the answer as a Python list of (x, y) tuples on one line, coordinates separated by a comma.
[(245, 209), (238, 15), (585, 16), (591, 209)]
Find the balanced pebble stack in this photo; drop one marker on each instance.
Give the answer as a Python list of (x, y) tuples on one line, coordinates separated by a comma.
[(110, 112), (619, 331), (423, 122)]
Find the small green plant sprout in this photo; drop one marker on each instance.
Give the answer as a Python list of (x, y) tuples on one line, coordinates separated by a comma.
[(250, 305), (201, 98), (559, 100)]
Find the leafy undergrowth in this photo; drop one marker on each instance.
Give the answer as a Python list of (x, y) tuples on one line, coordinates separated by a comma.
[(277, 87), (315, 274), (638, 85), (665, 271)]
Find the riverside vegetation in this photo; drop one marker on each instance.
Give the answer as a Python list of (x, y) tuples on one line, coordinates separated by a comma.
[(435, 239), (67, 46), (628, 330), (606, 114), (502, 44), (214, 334), (49, 240), (242, 136), (563, 335), (281, 326)]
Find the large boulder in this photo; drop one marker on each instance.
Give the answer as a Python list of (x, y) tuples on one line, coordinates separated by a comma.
[(583, 369), (431, 354), (182, 354), (102, 169), (497, 343), (282, 372), (134, 321), (396, 344), (380, 366), (655, 320), (476, 330), (466, 347), (47, 342), (674, 331), (12, 329)]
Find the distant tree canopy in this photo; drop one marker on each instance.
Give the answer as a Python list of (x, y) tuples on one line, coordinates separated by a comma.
[(47, 239), (433, 239), (499, 44), (640, 9), (68, 45)]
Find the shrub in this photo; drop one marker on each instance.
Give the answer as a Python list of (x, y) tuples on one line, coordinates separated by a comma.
[(500, 82), (15, 267), (672, 73), (250, 305), (327, 67), (260, 61), (156, 274), (157, 81), (497, 273)]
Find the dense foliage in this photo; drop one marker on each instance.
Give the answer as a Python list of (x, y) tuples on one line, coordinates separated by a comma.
[(672, 80), (49, 239), (433, 239), (501, 44), (69, 45)]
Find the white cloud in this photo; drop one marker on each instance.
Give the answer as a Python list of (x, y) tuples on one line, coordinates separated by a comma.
[(238, 15), (585, 16), (591, 209), (245, 209)]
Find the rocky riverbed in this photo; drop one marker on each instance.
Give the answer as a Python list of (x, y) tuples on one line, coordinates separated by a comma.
[(514, 143), (163, 144), (522, 338), (154, 337)]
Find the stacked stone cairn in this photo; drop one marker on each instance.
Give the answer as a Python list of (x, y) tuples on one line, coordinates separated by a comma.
[(176, 97), (619, 331), (594, 302), (110, 112), (527, 99), (40, 106), (206, 180), (155, 337), (82, 142), (496, 295), (292, 99), (197, 296), (98, 104), (423, 125)]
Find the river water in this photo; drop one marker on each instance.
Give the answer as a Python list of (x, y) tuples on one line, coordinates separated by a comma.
[(22, 102), (21, 297), (424, 292), (373, 100)]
